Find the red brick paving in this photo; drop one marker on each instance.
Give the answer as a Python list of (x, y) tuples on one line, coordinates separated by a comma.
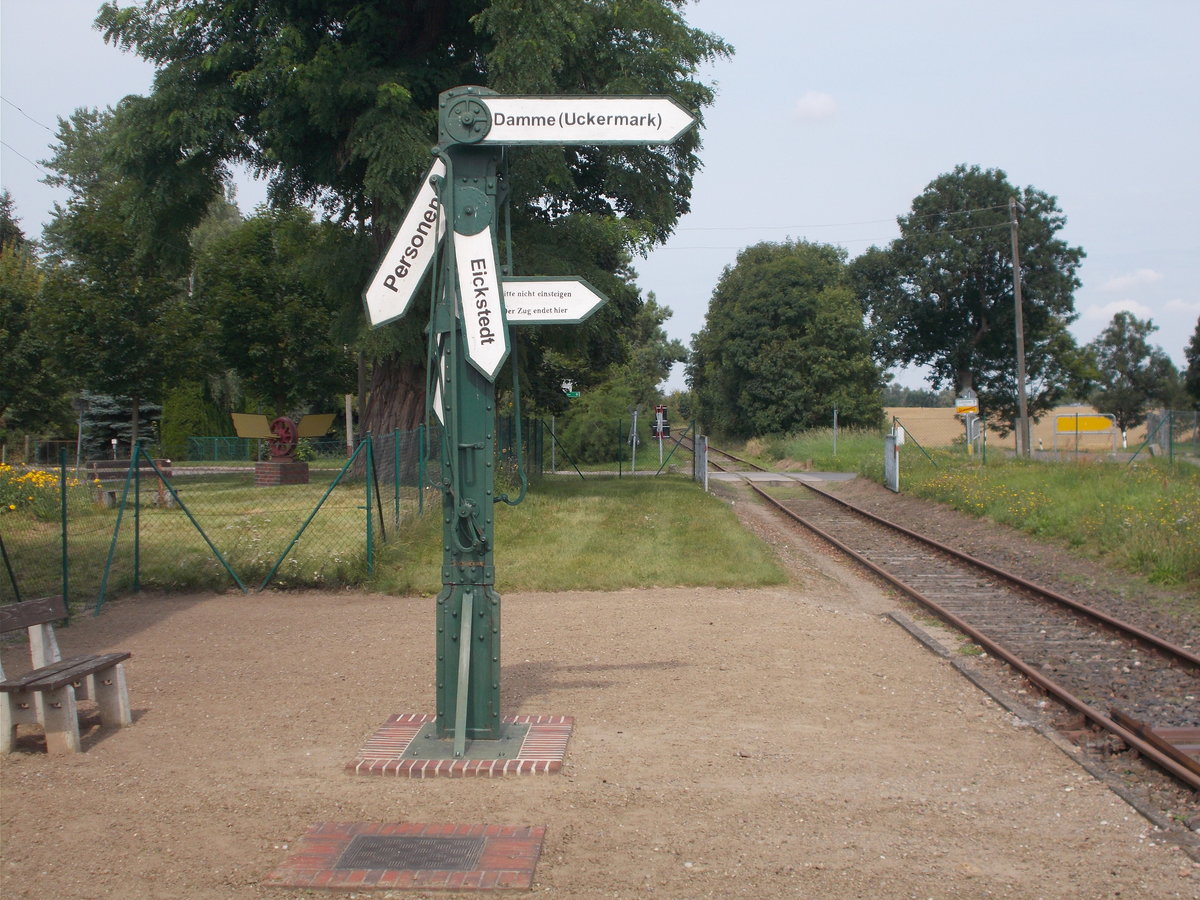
[(509, 857), (541, 752)]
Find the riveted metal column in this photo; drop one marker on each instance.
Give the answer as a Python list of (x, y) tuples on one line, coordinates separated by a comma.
[(468, 607)]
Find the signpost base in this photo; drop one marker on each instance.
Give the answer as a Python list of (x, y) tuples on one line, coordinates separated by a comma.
[(408, 745), (275, 473)]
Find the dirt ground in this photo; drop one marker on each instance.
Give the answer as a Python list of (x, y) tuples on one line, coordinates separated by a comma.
[(791, 742)]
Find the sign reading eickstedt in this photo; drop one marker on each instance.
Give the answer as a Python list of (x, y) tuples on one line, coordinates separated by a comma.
[(474, 302)]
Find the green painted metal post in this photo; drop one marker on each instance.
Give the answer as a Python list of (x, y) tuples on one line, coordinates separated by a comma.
[(396, 478), (370, 471), (1171, 436), (135, 463), (62, 505), (468, 606), (421, 436), (469, 343)]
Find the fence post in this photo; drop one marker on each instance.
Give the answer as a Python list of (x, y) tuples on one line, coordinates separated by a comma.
[(1171, 437), (369, 479), (396, 476), (420, 470), (134, 463), (620, 447), (62, 503), (112, 547)]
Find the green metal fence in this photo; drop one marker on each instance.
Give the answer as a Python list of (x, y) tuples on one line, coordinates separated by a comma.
[(1174, 432), (221, 449), (147, 524)]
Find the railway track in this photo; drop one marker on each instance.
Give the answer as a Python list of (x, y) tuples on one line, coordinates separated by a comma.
[(1128, 682)]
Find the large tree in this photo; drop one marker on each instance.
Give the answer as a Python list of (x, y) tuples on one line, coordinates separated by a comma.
[(32, 390), (272, 310), (783, 344), (336, 102), (121, 324), (941, 295), (1192, 375), (1131, 374)]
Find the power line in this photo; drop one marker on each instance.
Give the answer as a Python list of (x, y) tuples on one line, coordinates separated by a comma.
[(27, 115), (23, 156), (952, 231), (951, 212)]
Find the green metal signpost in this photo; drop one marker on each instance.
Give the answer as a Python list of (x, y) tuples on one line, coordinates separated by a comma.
[(469, 343)]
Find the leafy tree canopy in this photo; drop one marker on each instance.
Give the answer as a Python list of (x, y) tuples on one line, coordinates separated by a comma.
[(1131, 374), (896, 395), (272, 311), (783, 343), (1192, 354), (119, 324), (10, 225), (941, 295), (335, 103), (33, 391)]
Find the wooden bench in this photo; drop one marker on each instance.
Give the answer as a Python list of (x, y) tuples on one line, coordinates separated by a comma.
[(48, 692), (111, 474)]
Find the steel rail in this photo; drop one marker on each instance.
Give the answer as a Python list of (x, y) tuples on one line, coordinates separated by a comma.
[(1035, 675), (1174, 650), (716, 465)]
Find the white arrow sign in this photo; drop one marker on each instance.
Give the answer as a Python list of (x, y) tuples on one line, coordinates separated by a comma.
[(391, 289), (549, 301), (585, 120), (482, 302), (441, 377)]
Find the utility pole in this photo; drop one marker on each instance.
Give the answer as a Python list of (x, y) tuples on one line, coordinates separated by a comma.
[(1023, 448)]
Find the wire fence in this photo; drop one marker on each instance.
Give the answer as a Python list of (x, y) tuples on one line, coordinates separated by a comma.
[(110, 527), (1174, 431), (119, 526)]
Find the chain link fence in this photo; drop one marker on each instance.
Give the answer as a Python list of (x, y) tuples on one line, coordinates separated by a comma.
[(112, 527), (1176, 432)]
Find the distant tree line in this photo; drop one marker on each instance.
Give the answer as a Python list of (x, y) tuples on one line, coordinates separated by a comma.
[(150, 287), (795, 329)]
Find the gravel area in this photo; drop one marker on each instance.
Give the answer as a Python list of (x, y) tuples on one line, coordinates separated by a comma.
[(770, 743)]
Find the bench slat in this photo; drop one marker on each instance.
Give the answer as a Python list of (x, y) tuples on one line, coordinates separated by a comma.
[(31, 612), (67, 671)]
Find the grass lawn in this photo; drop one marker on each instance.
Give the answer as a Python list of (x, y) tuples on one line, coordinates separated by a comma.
[(599, 534), (1143, 518)]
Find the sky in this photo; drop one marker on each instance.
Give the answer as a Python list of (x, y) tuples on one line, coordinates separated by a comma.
[(830, 118)]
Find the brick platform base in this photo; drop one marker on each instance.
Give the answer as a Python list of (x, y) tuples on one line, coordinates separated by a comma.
[(541, 752), (505, 860), (272, 474)]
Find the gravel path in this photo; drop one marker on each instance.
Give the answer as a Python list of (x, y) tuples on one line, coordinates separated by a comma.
[(772, 743)]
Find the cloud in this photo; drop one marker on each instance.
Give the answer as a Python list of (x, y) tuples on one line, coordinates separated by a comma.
[(1131, 280), (1183, 306), (814, 106), (1108, 310)]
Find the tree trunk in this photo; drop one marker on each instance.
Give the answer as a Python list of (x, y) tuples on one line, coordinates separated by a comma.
[(397, 397), (396, 402)]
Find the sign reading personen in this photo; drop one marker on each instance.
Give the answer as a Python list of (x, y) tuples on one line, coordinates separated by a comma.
[(391, 289), (545, 300), (584, 120)]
